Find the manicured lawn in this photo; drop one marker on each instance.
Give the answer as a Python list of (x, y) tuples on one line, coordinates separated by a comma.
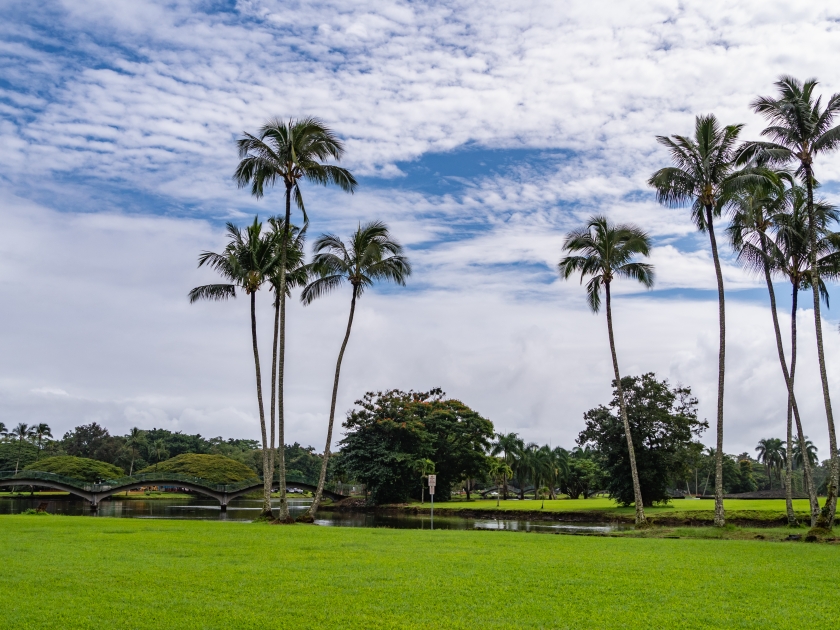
[(72, 572)]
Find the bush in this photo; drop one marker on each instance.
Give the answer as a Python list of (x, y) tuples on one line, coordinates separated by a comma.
[(213, 468), (81, 468)]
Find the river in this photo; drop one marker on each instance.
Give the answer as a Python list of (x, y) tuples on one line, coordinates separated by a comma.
[(246, 510)]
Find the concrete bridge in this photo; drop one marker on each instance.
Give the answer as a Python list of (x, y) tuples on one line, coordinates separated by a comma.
[(96, 492)]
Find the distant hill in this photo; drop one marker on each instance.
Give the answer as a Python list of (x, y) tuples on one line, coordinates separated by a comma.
[(213, 468)]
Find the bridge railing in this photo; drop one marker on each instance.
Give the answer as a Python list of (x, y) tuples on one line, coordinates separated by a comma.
[(153, 478)]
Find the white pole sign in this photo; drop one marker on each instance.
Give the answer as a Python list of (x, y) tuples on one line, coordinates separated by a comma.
[(432, 483)]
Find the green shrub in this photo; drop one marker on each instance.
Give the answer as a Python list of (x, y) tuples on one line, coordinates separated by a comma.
[(213, 468), (82, 468)]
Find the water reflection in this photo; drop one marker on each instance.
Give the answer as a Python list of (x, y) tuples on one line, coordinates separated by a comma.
[(247, 509)]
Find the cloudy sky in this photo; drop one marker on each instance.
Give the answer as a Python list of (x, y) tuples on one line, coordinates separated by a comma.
[(480, 132)]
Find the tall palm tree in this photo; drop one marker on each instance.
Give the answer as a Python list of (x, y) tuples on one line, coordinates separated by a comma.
[(296, 275), (248, 261), (425, 467), (3, 430), (704, 176), (135, 439), (603, 252), (287, 152), (791, 258), (810, 452), (507, 445), (22, 432), (771, 454), (371, 255), (159, 451), (559, 468), (499, 472), (755, 206), (801, 129), (39, 432)]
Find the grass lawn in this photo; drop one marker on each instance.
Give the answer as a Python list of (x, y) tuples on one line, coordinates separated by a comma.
[(74, 572)]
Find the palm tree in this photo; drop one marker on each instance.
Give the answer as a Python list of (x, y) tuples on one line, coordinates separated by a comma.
[(159, 451), (559, 468), (499, 472), (704, 176), (288, 152), (296, 275), (507, 445), (425, 467), (3, 430), (249, 260), (39, 432), (607, 252), (22, 432), (771, 454), (801, 129), (791, 258), (755, 207), (135, 439), (810, 450), (371, 255)]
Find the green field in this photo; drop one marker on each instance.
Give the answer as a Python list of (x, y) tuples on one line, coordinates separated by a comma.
[(77, 572)]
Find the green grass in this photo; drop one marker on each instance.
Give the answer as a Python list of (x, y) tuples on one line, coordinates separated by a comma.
[(77, 572)]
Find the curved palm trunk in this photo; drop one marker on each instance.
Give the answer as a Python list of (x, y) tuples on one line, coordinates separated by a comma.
[(20, 446), (283, 516), (810, 487), (266, 508), (720, 515), (637, 490), (777, 330), (309, 515), (271, 451), (826, 518)]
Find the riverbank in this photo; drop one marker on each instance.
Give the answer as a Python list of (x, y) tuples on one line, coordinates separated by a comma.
[(80, 572)]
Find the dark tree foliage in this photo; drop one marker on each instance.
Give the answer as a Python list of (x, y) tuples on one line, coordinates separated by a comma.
[(9, 454), (92, 442), (394, 429), (662, 423), (585, 477)]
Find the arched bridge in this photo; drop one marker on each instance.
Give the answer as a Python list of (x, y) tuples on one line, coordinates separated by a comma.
[(95, 492)]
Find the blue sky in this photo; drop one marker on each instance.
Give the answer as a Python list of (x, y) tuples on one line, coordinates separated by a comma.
[(481, 134)]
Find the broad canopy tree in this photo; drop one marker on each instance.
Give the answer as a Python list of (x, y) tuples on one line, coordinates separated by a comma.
[(663, 422), (392, 430)]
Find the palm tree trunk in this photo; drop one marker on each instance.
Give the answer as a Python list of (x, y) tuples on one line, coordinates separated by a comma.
[(826, 518), (637, 490), (281, 362), (271, 451), (720, 515), (800, 434), (266, 509), (309, 516), (20, 445), (777, 330)]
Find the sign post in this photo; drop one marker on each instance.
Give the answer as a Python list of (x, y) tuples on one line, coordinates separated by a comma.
[(432, 483)]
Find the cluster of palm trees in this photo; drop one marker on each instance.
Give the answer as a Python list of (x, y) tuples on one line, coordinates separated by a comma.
[(542, 467), (36, 434), (777, 229), (773, 453), (272, 256)]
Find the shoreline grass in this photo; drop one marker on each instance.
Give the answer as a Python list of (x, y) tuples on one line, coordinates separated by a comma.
[(85, 572)]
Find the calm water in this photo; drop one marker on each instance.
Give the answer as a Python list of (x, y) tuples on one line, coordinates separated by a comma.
[(247, 509)]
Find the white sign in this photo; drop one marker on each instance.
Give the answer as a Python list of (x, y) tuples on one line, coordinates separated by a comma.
[(432, 480)]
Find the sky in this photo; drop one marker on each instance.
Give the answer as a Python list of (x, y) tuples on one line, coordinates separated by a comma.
[(481, 133)]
